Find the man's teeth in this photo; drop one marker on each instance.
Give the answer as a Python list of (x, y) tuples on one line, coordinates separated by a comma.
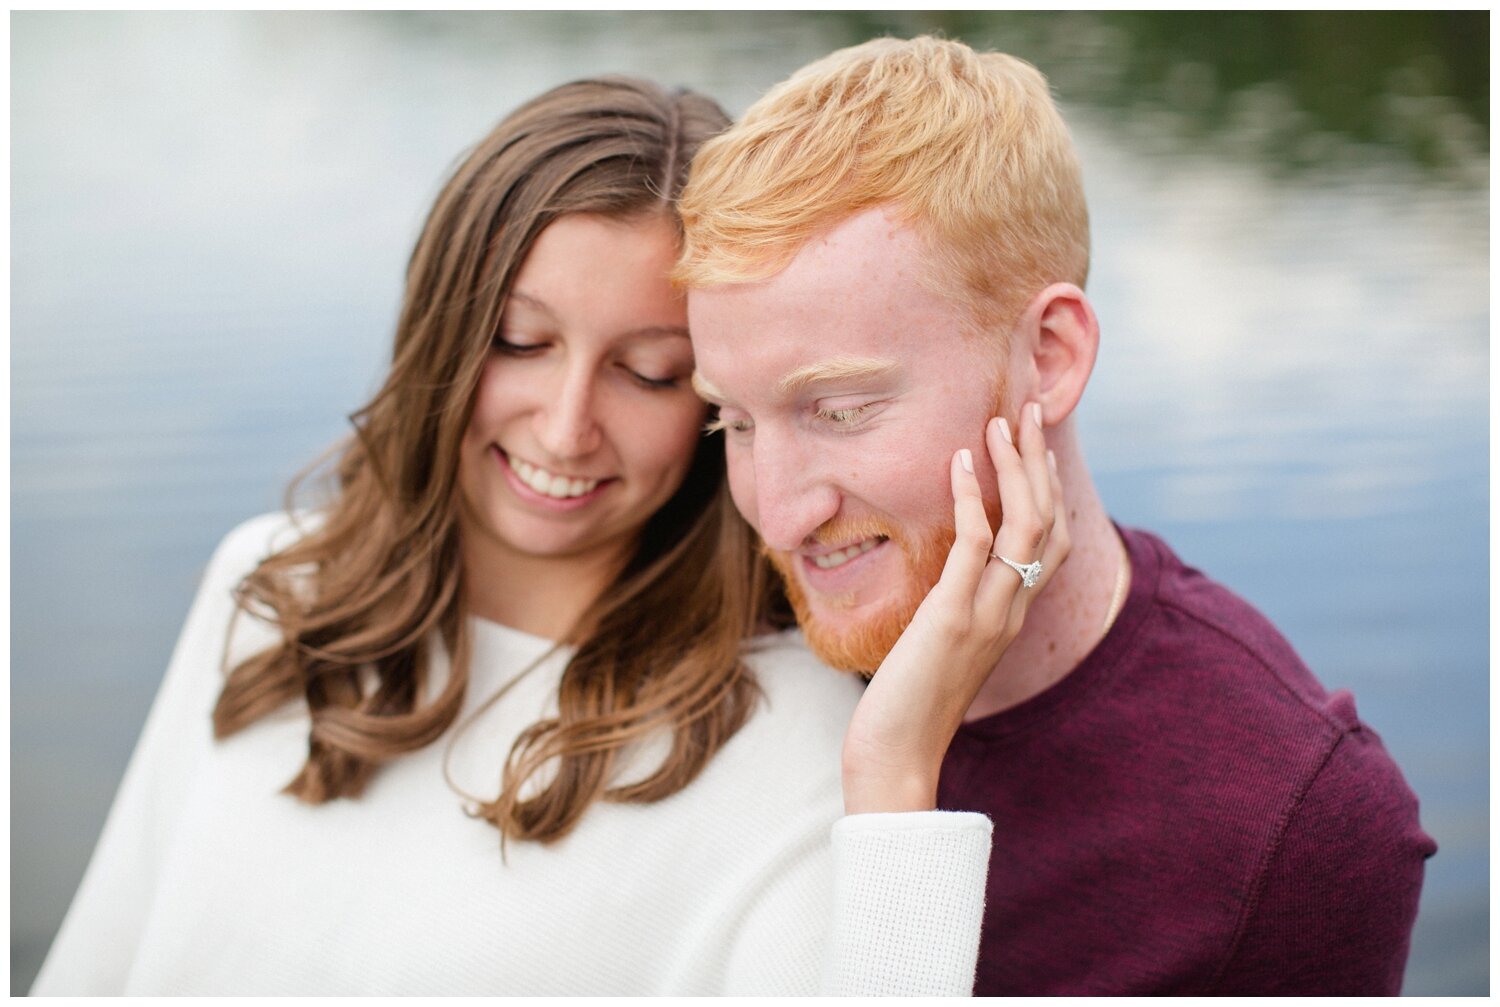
[(547, 484), (833, 559)]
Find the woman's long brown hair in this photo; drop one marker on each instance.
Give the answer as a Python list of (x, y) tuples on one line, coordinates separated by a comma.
[(360, 597)]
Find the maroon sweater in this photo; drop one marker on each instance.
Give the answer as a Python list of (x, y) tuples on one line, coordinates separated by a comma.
[(1189, 812)]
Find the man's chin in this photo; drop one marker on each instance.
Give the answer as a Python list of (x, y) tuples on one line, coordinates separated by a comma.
[(859, 641), (854, 645)]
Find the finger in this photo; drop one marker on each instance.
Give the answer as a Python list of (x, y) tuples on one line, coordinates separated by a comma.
[(1020, 534), (971, 542), (1034, 456), (1059, 539), (1058, 544)]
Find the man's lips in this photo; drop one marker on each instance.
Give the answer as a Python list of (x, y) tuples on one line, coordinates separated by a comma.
[(835, 570), (830, 558)]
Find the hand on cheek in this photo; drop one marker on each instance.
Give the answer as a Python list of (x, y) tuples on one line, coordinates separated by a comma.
[(917, 699)]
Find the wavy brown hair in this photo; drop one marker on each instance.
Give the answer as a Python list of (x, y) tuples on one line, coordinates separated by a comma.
[(360, 596)]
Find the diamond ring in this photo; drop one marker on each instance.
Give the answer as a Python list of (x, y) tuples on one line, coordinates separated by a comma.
[(1030, 572)]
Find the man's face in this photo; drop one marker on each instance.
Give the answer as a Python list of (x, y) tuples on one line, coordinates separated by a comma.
[(845, 385)]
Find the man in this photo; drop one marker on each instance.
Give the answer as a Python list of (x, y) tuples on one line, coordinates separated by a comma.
[(888, 249)]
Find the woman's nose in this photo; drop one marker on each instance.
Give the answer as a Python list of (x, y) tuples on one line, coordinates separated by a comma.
[(567, 424)]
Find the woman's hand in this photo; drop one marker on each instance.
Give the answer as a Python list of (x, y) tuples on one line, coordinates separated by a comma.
[(915, 703)]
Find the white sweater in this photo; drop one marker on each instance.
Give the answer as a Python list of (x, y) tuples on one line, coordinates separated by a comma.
[(208, 880)]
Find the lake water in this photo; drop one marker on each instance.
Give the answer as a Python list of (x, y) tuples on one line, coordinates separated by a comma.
[(210, 216)]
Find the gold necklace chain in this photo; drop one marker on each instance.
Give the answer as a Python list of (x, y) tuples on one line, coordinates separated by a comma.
[(1117, 597)]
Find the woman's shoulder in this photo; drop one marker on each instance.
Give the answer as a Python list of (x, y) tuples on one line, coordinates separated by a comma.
[(790, 674), (239, 553), (252, 541)]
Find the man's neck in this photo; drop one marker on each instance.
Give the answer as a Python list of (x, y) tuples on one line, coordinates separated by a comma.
[(1069, 618)]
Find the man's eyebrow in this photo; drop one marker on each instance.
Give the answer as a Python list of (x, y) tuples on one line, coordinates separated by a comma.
[(834, 369)]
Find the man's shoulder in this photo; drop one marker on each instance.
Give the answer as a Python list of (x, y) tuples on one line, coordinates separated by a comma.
[(1203, 631), (1218, 684), (1317, 817)]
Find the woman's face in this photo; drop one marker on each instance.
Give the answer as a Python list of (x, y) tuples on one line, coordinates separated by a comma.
[(585, 422)]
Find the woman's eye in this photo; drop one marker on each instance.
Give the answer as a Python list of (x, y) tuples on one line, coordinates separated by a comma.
[(650, 382), (511, 349)]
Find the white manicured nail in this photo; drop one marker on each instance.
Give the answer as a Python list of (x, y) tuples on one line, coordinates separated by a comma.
[(966, 460), (1004, 429)]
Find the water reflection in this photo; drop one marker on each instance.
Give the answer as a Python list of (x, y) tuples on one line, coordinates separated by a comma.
[(1292, 91), (210, 219)]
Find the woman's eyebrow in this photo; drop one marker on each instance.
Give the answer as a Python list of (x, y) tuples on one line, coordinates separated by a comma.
[(644, 332), (657, 332), (531, 302)]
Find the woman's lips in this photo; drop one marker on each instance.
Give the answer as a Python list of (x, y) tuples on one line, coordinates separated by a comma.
[(537, 486)]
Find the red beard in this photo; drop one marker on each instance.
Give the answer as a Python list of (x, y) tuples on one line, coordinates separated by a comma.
[(862, 646)]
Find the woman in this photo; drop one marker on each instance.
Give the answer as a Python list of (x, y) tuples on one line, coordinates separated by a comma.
[(529, 579)]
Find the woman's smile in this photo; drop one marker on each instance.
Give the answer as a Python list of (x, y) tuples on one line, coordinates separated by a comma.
[(536, 484)]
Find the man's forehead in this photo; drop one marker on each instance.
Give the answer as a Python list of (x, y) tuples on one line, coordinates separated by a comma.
[(851, 305), (872, 253)]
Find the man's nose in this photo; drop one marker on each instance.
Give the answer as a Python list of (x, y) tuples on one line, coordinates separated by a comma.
[(793, 497), (567, 419)]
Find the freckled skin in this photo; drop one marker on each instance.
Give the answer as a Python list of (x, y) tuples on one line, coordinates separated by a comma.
[(858, 291)]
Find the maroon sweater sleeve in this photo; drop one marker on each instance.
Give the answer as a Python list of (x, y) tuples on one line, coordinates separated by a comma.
[(1334, 910)]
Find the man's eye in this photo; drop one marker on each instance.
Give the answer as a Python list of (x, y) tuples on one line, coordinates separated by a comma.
[(843, 417), (734, 426)]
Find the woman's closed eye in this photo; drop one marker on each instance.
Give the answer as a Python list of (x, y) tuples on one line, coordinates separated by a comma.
[(511, 348), (647, 378)]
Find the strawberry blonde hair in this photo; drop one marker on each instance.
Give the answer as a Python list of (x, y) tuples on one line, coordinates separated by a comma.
[(360, 598), (966, 147)]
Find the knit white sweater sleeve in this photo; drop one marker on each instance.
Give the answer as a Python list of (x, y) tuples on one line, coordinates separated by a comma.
[(908, 903)]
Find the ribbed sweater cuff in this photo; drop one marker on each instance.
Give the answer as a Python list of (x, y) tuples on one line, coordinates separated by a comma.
[(905, 883)]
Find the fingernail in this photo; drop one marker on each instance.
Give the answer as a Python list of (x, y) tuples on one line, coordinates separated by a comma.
[(1051, 461), (1036, 413), (1004, 429), (966, 460)]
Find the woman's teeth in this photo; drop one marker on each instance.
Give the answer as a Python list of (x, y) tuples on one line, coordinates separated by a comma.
[(833, 559), (547, 484)]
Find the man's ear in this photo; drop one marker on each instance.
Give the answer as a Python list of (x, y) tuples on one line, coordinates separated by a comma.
[(1064, 340)]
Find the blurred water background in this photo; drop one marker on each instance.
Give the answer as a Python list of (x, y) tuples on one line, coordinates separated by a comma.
[(210, 216)]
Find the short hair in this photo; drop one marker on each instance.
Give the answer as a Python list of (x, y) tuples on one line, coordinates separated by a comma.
[(967, 148)]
